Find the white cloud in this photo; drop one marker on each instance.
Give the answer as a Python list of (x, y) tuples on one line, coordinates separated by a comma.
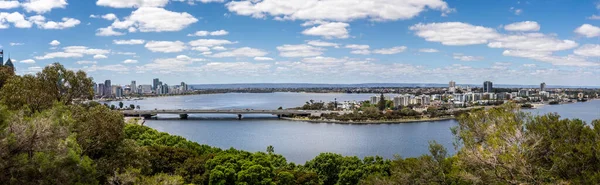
[(59, 55), (588, 50), (379, 10), (132, 3), (523, 26), (129, 42), (73, 52), (110, 16), (594, 17), (455, 33), (41, 22), (9, 4), (85, 62), (108, 31), (124, 53), (204, 45), (428, 50), (466, 58), (115, 68), (357, 46), (207, 33), (168, 65), (54, 43), (329, 30), (16, 18), (236, 68), (588, 31), (263, 58), (390, 51), (529, 65), (153, 19), (16, 44), (301, 50), (569, 60), (165, 46), (241, 52), (219, 48), (533, 42), (28, 61), (361, 52), (323, 43), (130, 61), (99, 56), (43, 6)]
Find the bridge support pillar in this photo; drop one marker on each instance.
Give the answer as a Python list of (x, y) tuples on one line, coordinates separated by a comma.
[(147, 116), (239, 116), (183, 116), (278, 116)]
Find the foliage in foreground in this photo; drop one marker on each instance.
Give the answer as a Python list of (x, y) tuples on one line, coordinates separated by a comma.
[(61, 141)]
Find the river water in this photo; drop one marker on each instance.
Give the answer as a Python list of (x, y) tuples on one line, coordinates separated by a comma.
[(302, 141)]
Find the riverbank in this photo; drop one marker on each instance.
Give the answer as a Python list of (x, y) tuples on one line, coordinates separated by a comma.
[(397, 121)]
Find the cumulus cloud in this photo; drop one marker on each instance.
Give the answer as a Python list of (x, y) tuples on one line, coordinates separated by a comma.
[(108, 31), (357, 46), (378, 10), (130, 61), (165, 46), (211, 33), (569, 60), (301, 50), (533, 42), (466, 58), (66, 22), (390, 51), (328, 30), (9, 4), (454, 33), (523, 26), (54, 43), (588, 31), (85, 62), (320, 43), (43, 6), (100, 56), (205, 45), (132, 3), (73, 52), (16, 44), (428, 50), (588, 50), (149, 19), (28, 61), (129, 42), (263, 58), (16, 18), (167, 65), (241, 52)]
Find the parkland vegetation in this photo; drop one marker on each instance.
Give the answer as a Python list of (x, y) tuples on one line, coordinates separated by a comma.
[(51, 134)]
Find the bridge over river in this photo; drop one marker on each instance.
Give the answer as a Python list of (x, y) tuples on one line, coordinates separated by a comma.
[(183, 113)]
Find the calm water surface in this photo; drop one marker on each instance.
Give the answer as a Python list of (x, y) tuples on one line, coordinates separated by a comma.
[(302, 141)]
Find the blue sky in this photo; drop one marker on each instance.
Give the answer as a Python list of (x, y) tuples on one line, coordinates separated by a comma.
[(308, 41)]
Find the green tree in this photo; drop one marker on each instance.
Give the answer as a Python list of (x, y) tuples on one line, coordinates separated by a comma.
[(131, 106), (5, 74), (121, 105), (381, 103), (270, 149)]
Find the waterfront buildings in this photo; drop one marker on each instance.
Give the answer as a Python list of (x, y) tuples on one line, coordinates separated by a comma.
[(543, 86), (452, 87), (107, 89), (133, 88), (155, 84)]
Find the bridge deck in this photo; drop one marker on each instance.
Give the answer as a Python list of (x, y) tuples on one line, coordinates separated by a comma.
[(233, 111)]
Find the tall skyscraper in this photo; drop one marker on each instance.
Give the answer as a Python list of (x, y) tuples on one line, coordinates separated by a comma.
[(155, 84), (133, 88), (543, 86), (1, 57), (488, 87), (100, 89), (107, 88)]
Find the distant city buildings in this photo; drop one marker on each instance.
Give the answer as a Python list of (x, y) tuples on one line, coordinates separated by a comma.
[(107, 90), (452, 86), (543, 86), (8, 63)]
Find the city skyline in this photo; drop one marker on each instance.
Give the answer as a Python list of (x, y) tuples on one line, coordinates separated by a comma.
[(232, 42)]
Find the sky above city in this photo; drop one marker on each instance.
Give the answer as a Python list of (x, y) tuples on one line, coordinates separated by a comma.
[(308, 41)]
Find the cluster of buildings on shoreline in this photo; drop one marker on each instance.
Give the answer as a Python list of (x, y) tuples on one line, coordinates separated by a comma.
[(8, 63), (456, 96), (108, 91)]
